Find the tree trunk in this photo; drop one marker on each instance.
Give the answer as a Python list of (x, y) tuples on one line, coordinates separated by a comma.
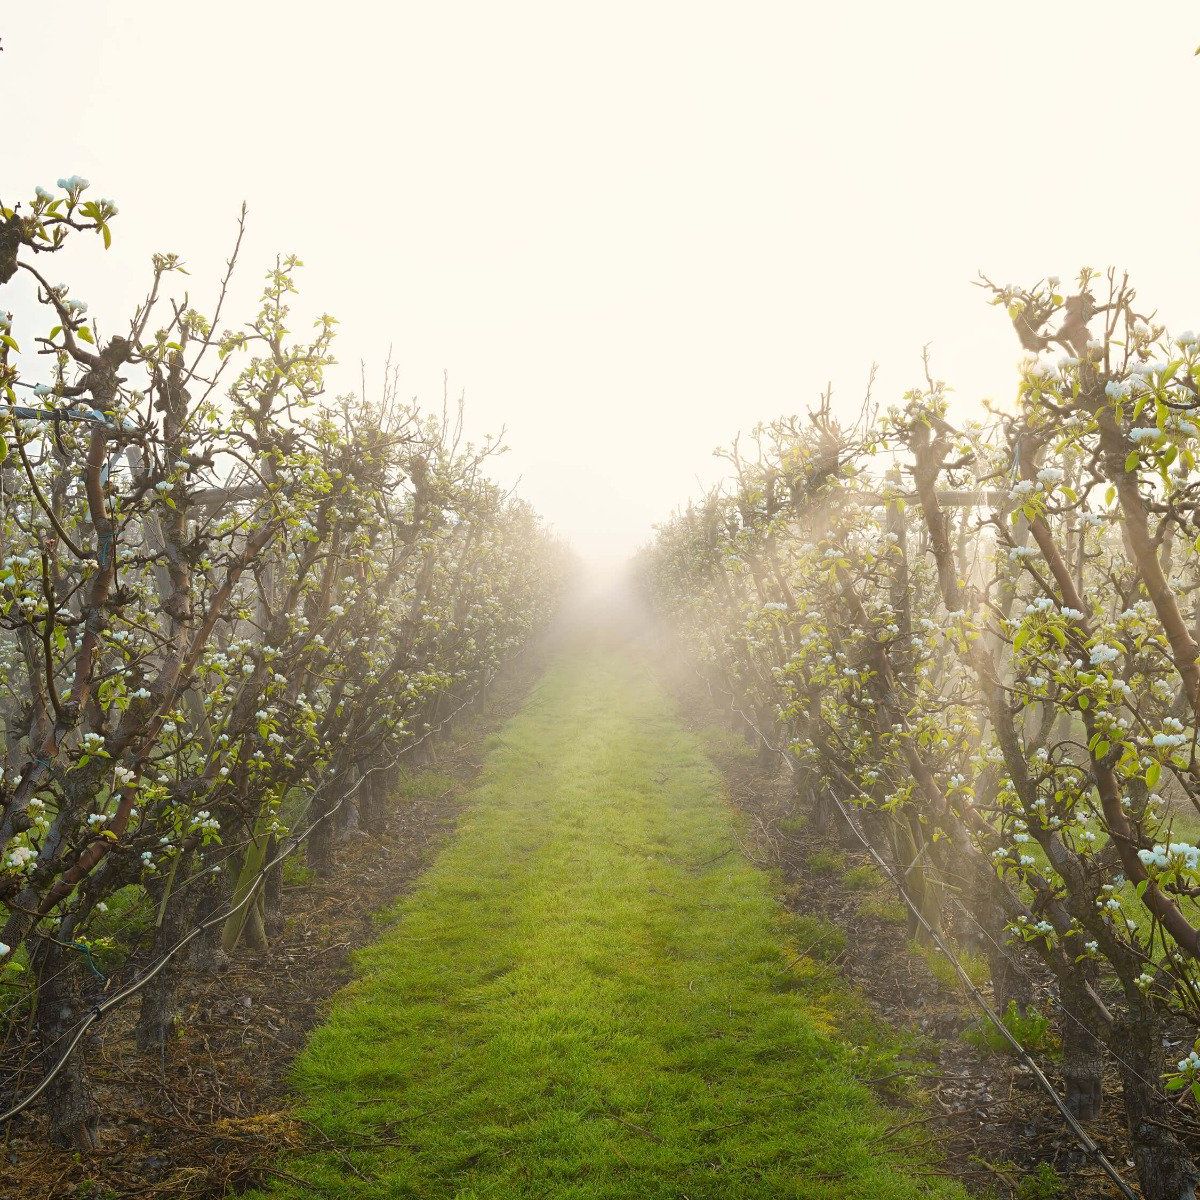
[(73, 1113), (766, 756), (157, 1011), (320, 841), (346, 819), (1083, 1053), (421, 753), (1010, 983), (179, 911), (825, 816), (907, 842), (273, 892), (1165, 1169), (371, 806), (813, 802), (246, 925), (204, 954)]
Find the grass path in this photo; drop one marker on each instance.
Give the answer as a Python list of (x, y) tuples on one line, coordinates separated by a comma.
[(591, 995)]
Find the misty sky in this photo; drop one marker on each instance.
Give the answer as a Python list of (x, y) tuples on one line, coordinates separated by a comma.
[(627, 230)]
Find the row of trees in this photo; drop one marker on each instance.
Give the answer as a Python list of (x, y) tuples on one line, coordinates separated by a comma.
[(984, 635), (228, 610)]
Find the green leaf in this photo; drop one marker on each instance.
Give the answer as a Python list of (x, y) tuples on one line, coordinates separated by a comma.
[(85, 333), (1153, 774), (1131, 461)]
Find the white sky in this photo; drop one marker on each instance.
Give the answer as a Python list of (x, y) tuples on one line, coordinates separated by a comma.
[(626, 229)]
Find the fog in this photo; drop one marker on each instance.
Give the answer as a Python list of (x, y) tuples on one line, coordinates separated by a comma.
[(626, 230)]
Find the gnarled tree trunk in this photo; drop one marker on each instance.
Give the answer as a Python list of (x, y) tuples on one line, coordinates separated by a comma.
[(1165, 1168)]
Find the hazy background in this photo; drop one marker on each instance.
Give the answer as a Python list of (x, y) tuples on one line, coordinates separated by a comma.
[(626, 229)]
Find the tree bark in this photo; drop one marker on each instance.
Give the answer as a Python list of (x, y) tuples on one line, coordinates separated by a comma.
[(273, 892), (1083, 1053), (1010, 984), (371, 806), (74, 1115), (1165, 1168), (320, 841)]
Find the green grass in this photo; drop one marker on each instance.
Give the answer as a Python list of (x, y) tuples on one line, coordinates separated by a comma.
[(297, 873), (815, 937), (796, 823), (826, 862), (975, 965), (590, 997), (883, 906), (864, 878)]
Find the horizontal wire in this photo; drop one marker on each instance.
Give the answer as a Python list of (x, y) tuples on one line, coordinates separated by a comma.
[(131, 989), (1081, 1135)]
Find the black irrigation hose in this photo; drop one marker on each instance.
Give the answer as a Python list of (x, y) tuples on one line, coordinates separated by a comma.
[(131, 989), (1081, 1135)]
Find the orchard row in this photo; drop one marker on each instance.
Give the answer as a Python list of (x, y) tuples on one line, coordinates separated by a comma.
[(229, 607), (983, 635)]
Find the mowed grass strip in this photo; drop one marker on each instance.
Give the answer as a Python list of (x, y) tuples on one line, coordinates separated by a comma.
[(593, 995)]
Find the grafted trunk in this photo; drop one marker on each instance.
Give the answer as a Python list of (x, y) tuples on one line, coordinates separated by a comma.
[(157, 1010), (246, 925), (422, 754), (766, 757), (825, 816), (204, 954), (846, 836), (813, 801), (1010, 985), (72, 1110)]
